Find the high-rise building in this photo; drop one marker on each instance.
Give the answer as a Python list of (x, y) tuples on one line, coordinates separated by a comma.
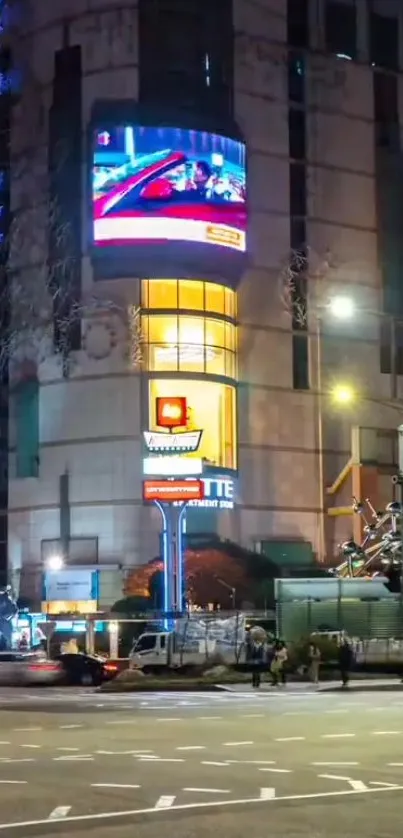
[(206, 201)]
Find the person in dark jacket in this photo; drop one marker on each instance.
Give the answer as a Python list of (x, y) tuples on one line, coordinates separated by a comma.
[(257, 661), (345, 661)]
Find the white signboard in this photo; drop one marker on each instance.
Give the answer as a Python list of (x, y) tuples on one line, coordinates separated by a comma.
[(69, 585), (175, 443), (172, 466)]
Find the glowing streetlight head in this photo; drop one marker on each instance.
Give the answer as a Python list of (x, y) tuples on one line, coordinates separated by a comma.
[(343, 308), (55, 563), (342, 394)]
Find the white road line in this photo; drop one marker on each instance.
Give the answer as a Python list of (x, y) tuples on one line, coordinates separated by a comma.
[(207, 718), (10, 759), (385, 785), (208, 791), (216, 763), (267, 794), (59, 812), (69, 749), (236, 744), (69, 727), (113, 786), (5, 743), (335, 764), (356, 785), (252, 715), (13, 782), (251, 762), (159, 759), (122, 722), (165, 802), (26, 729), (191, 748), (188, 807), (78, 758), (395, 764), (30, 746), (277, 770), (175, 719), (121, 753), (337, 735), (386, 732), (290, 739)]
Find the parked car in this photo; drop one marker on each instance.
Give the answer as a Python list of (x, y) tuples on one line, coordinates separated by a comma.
[(87, 670), (28, 668)]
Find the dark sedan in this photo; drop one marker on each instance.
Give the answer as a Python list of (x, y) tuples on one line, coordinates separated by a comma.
[(86, 670)]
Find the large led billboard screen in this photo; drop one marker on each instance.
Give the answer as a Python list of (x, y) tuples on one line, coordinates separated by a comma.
[(157, 185)]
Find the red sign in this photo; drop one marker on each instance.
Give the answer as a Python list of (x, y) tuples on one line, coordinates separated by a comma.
[(172, 491), (171, 411)]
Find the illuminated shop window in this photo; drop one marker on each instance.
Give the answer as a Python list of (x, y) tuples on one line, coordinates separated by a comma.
[(190, 294), (211, 408), (182, 343)]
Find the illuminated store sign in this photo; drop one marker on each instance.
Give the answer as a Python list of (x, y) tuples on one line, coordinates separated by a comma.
[(180, 443), (219, 493), (172, 466), (171, 411), (171, 491), (159, 184)]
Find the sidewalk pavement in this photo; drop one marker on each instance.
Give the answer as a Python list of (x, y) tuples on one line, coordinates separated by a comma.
[(304, 687)]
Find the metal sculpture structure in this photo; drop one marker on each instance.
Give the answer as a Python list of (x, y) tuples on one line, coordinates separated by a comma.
[(8, 610), (381, 547)]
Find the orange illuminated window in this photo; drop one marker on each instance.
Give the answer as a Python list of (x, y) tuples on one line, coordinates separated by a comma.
[(188, 294), (184, 343)]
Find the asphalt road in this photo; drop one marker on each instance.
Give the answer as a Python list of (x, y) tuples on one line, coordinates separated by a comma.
[(307, 764)]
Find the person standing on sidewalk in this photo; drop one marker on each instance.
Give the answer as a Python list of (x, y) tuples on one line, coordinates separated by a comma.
[(314, 663), (257, 661), (345, 661), (279, 663)]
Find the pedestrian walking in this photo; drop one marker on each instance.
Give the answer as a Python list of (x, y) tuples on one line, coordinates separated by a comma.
[(278, 664), (345, 661), (257, 661), (314, 663)]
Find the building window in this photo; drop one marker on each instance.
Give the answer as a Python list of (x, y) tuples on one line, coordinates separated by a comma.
[(298, 197), (296, 78), (296, 134), (384, 41), (211, 408), (186, 53), (341, 29), (386, 110), (27, 429), (300, 366), (188, 294), (298, 23), (180, 343)]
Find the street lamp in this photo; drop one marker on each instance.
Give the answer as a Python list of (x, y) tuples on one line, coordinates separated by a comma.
[(340, 308), (342, 394), (55, 563)]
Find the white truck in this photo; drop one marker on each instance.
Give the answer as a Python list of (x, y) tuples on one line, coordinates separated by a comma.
[(190, 642)]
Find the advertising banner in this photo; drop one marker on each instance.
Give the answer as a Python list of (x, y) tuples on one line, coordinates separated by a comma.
[(158, 184), (170, 491)]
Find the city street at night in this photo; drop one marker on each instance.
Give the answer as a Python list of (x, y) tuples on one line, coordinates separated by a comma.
[(84, 763)]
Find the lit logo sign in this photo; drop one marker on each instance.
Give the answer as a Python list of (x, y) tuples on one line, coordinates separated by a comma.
[(219, 493), (172, 466), (179, 443), (171, 411), (171, 491), (168, 184)]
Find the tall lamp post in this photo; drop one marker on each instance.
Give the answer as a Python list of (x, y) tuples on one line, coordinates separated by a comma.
[(339, 308)]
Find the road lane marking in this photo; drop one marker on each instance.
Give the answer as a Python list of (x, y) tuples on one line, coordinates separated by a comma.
[(252, 715), (189, 807), (5, 743), (277, 770), (236, 744), (175, 719), (165, 802), (26, 729), (68, 749), (385, 785), (356, 785), (30, 746), (159, 759), (395, 764), (113, 786), (207, 718), (13, 782), (335, 764), (386, 732), (338, 735), (290, 739), (120, 753), (69, 727), (59, 812), (122, 722), (76, 758), (23, 759), (208, 791), (267, 794), (226, 764), (191, 748), (251, 762)]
